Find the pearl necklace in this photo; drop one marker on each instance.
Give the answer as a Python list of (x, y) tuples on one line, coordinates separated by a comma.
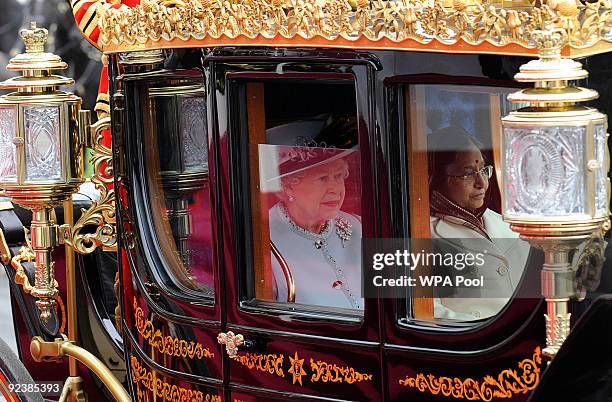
[(343, 230)]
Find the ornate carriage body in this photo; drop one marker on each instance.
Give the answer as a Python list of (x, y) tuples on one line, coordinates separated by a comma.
[(202, 95)]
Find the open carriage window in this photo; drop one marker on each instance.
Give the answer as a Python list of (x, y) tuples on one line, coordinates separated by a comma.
[(304, 171), (176, 152), (453, 137)]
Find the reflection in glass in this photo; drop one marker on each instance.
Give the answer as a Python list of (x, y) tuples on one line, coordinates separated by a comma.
[(178, 155), (7, 147)]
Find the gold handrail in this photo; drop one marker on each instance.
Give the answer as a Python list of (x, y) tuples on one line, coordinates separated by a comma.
[(42, 350)]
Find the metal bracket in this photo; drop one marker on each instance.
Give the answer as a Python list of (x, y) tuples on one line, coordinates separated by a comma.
[(102, 212)]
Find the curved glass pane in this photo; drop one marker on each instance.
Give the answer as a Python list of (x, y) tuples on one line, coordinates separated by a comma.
[(177, 169)]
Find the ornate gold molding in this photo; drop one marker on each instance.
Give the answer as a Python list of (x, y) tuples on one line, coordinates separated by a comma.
[(168, 345), (507, 384), (459, 25), (101, 213), (26, 254), (163, 390)]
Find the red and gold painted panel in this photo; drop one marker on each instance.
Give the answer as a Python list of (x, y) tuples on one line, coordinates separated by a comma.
[(168, 345), (298, 371), (176, 346), (511, 377), (307, 368), (149, 385)]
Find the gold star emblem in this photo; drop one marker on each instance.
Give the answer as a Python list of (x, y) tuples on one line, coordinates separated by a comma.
[(297, 368)]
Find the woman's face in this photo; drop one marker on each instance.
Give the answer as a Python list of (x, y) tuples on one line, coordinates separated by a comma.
[(468, 193), (319, 194)]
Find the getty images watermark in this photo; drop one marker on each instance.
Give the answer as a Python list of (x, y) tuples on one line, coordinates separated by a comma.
[(414, 260), (465, 268)]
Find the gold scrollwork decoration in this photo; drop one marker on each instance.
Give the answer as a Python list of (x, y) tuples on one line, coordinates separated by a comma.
[(320, 371), (168, 345), (163, 390), (390, 22), (101, 213), (269, 363), (507, 384), (326, 372), (26, 254)]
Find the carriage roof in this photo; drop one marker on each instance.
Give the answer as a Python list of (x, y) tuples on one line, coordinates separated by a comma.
[(450, 26)]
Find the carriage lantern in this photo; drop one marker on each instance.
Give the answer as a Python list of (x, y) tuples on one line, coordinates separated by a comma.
[(555, 169), (41, 152), (43, 132)]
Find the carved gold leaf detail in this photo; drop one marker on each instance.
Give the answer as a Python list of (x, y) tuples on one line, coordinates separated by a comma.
[(168, 345), (163, 390), (374, 20), (101, 213), (508, 383)]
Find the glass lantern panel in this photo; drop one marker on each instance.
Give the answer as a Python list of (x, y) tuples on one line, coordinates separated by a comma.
[(193, 124), (43, 156), (8, 166), (601, 194), (545, 170)]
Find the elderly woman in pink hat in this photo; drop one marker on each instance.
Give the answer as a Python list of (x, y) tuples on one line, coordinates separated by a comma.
[(316, 247)]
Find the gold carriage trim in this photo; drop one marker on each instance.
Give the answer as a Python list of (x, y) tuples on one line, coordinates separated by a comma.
[(168, 392), (320, 371), (270, 363), (507, 384), (168, 345), (461, 26), (101, 213), (326, 372)]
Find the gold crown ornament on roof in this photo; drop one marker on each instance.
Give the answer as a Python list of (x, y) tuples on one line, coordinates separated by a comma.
[(34, 38), (550, 40)]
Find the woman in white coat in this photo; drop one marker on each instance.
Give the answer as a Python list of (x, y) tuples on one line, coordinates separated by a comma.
[(459, 193), (316, 247)]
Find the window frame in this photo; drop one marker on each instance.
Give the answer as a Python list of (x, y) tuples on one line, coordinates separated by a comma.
[(399, 136), (239, 180)]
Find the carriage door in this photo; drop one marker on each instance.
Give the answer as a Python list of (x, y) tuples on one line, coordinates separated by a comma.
[(296, 148)]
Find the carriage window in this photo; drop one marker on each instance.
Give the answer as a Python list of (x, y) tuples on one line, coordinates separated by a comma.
[(305, 195), (453, 137), (177, 166)]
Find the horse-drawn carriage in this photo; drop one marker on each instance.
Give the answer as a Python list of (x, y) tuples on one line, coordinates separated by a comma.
[(253, 157)]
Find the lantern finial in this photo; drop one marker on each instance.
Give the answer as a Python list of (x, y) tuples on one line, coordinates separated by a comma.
[(34, 38)]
